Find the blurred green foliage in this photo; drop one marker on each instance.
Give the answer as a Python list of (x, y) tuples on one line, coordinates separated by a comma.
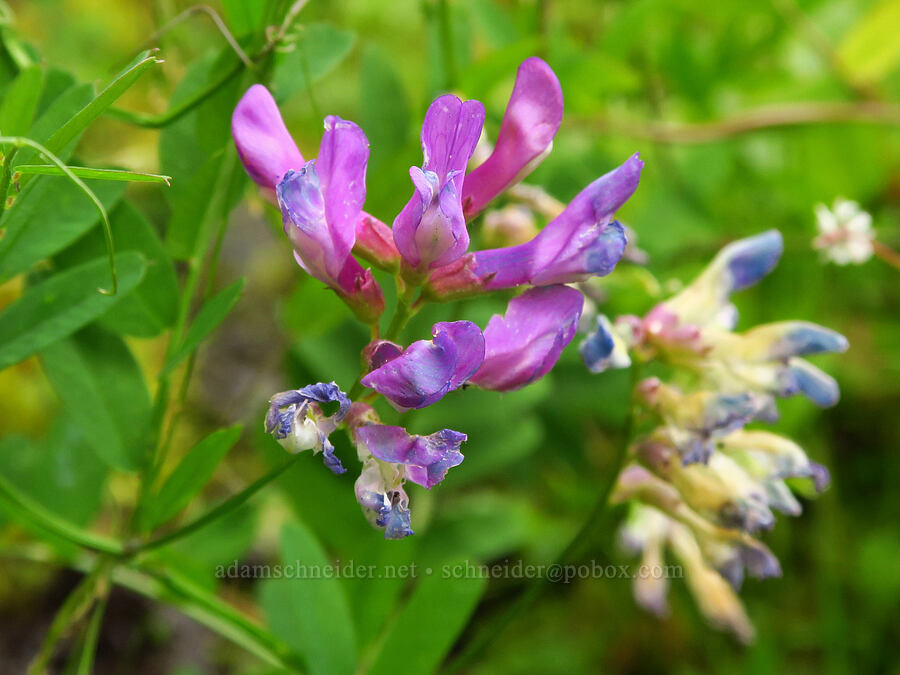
[(534, 458)]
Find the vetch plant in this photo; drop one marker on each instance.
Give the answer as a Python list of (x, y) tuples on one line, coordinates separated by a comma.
[(423, 345)]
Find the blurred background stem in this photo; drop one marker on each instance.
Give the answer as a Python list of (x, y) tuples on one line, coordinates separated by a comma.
[(597, 519)]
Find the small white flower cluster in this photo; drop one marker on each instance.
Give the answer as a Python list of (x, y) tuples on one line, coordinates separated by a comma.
[(845, 233)]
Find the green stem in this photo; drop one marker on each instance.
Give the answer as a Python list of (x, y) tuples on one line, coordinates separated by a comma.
[(6, 177), (76, 605), (177, 112), (37, 515), (91, 637), (225, 507), (192, 601), (446, 30), (406, 309), (583, 538), (209, 610)]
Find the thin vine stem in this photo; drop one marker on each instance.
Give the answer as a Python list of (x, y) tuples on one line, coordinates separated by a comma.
[(576, 546), (77, 604), (41, 517), (92, 637), (222, 509)]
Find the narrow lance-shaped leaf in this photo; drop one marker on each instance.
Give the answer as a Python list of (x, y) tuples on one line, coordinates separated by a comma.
[(103, 390), (62, 304), (20, 101), (303, 609), (152, 306), (97, 174), (427, 627), (209, 316), (48, 216), (83, 118), (20, 141), (190, 476)]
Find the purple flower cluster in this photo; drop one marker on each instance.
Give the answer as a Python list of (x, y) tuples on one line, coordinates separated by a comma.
[(427, 249)]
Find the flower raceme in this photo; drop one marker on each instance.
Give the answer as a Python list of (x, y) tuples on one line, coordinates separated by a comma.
[(427, 249), (694, 329), (515, 350), (700, 485)]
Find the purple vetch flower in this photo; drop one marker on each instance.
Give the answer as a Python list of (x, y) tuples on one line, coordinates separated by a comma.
[(321, 204), (581, 242), (522, 346), (429, 369), (526, 135), (430, 231), (264, 145), (379, 490), (425, 459), (297, 422)]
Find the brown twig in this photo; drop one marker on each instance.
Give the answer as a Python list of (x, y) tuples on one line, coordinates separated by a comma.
[(765, 117), (886, 253)]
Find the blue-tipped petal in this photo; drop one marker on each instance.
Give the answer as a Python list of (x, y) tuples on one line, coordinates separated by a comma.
[(820, 475), (395, 518), (802, 338), (602, 349), (749, 260), (760, 562), (329, 458), (729, 412), (817, 386)]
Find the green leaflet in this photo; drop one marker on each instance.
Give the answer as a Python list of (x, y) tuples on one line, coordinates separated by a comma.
[(60, 305), (302, 610), (189, 477), (209, 316), (101, 385)]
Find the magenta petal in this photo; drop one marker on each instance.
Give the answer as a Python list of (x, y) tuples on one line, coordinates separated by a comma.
[(522, 346), (429, 369), (264, 145), (431, 230), (341, 166), (426, 459), (531, 120), (322, 202), (579, 243)]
